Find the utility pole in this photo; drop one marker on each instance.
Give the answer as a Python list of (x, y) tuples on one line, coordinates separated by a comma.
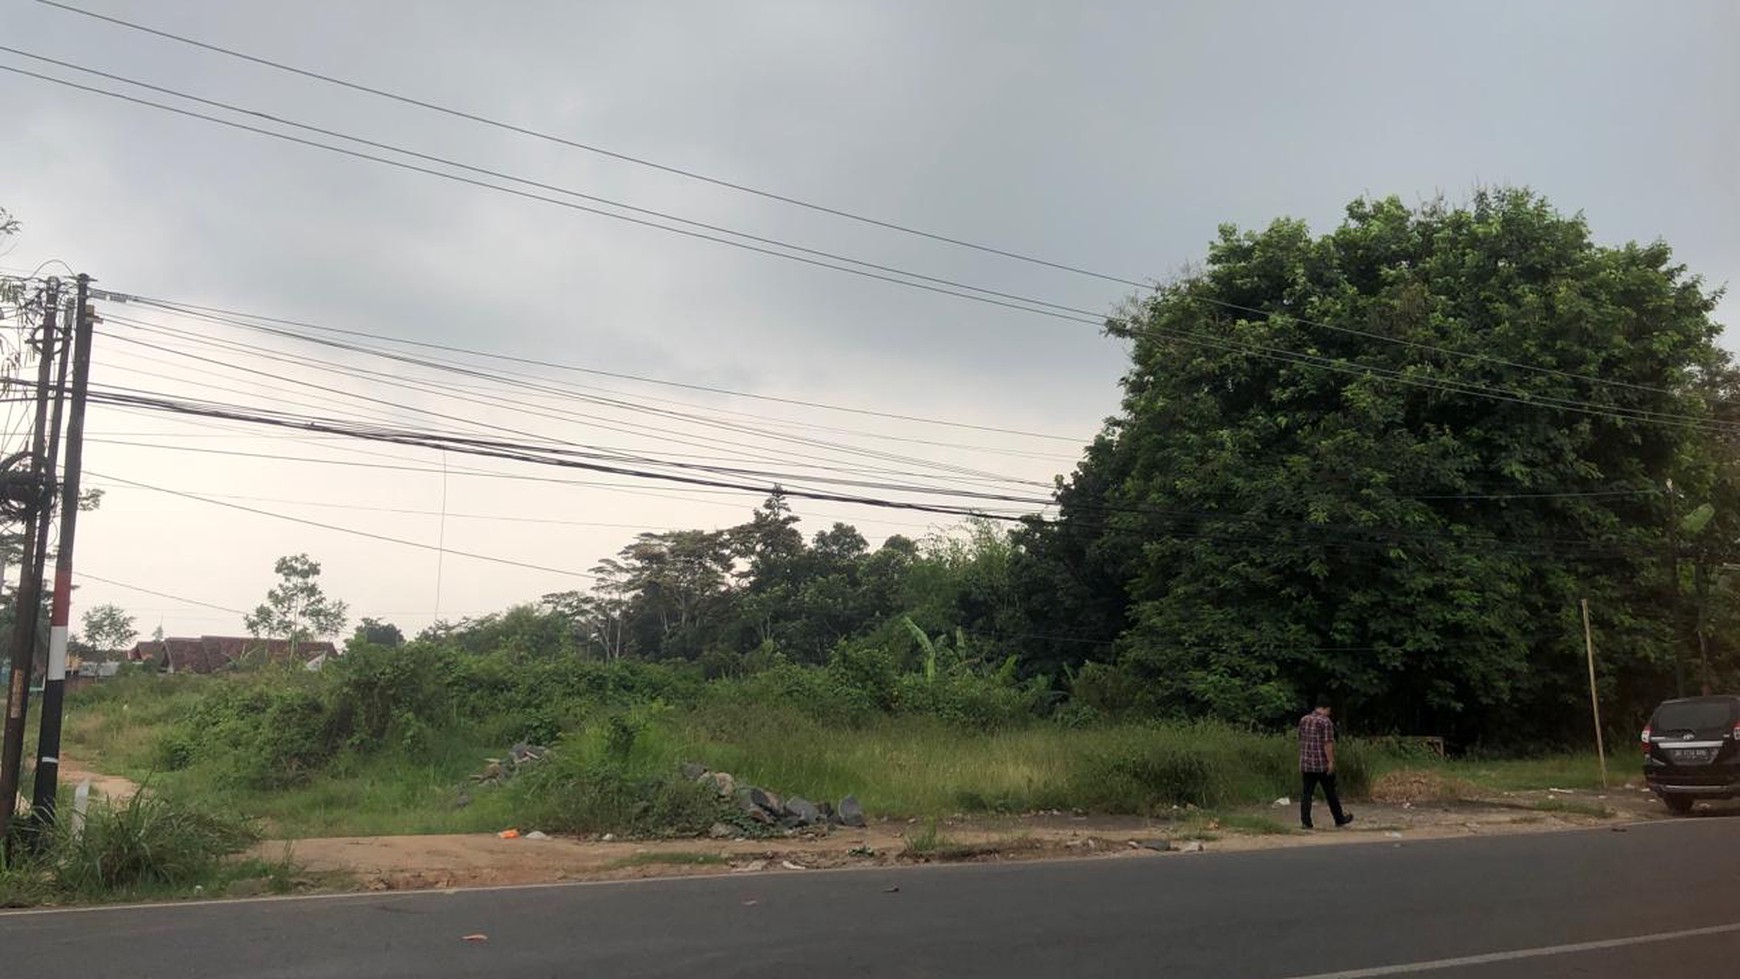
[(54, 683), (1673, 566), (1594, 699), (36, 498)]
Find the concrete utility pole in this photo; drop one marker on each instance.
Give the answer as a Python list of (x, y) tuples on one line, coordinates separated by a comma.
[(1673, 564), (35, 498), (1594, 698), (54, 684)]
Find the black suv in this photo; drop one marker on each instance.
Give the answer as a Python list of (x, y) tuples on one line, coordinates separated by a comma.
[(1691, 751)]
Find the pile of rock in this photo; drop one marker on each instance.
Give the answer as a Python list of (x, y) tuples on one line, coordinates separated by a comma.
[(499, 770), (766, 808)]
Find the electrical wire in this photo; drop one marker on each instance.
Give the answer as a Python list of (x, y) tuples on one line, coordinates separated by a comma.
[(159, 594), (657, 493), (639, 161), (971, 473), (346, 530), (525, 408), (542, 386), (1057, 310), (237, 318), (594, 453), (951, 284), (1372, 536)]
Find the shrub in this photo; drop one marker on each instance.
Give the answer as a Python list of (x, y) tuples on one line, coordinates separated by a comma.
[(573, 793), (963, 697), (1110, 689), (381, 688), (145, 843), (817, 693), (268, 730)]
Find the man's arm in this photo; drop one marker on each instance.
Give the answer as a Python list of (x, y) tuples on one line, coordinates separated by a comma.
[(1329, 754)]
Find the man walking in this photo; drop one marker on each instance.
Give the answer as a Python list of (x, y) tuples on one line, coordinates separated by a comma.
[(1317, 763)]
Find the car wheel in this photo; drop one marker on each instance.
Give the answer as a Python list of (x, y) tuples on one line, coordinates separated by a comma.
[(1679, 805)]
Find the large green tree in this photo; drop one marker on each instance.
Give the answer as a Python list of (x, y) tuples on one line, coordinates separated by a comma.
[(1387, 462)]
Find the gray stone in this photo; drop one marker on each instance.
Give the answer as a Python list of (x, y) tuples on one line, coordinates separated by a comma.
[(765, 801), (802, 811), (1158, 846), (722, 783), (829, 816), (852, 812), (722, 831), (692, 771)]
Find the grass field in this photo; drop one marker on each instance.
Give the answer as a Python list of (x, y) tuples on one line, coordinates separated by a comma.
[(902, 767)]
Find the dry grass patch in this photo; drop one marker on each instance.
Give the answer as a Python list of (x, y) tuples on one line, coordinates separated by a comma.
[(1417, 785)]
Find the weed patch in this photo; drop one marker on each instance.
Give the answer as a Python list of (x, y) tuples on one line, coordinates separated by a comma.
[(1573, 807), (144, 847)]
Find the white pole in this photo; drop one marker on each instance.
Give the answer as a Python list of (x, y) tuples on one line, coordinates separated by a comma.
[(81, 802), (1594, 701)]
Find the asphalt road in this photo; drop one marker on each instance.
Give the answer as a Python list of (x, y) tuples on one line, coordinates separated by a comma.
[(1655, 900)]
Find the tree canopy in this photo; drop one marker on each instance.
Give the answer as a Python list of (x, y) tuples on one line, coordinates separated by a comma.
[(1387, 463), (296, 608), (108, 628)]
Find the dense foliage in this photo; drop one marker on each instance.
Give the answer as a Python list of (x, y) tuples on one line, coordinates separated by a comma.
[(1388, 463)]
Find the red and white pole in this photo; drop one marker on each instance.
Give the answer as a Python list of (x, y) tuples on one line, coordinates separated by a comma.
[(54, 683)]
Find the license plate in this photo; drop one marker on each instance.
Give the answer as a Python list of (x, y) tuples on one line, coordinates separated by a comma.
[(1692, 756)]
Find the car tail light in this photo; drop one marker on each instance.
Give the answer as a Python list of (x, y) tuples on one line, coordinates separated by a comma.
[(1646, 736)]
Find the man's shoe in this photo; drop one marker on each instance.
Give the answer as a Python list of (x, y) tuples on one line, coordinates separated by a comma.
[(1343, 821), (1306, 826)]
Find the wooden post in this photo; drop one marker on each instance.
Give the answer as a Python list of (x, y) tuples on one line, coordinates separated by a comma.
[(1594, 701)]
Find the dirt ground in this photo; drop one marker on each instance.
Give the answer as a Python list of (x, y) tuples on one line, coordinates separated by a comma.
[(413, 862), (1404, 806), (113, 786)]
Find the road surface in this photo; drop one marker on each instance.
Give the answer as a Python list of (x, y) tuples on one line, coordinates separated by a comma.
[(1658, 899)]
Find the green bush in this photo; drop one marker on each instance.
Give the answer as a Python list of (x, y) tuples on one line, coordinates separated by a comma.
[(146, 842), (603, 798), (25, 882), (266, 730), (816, 692), (963, 697), (383, 688), (1111, 690)]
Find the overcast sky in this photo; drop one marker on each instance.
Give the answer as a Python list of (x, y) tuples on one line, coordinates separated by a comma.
[(1113, 137)]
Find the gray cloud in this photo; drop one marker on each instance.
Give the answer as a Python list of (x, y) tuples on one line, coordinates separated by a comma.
[(1114, 136)]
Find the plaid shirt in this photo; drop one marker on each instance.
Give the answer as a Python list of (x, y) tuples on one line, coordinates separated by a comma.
[(1316, 734)]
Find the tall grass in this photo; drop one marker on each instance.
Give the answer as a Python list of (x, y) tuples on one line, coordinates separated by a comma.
[(146, 846), (914, 767), (1565, 771), (615, 760)]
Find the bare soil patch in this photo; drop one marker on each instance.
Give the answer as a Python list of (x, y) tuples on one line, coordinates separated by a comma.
[(471, 860), (114, 786)]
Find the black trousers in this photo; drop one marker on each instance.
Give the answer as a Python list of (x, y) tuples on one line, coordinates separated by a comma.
[(1312, 780)]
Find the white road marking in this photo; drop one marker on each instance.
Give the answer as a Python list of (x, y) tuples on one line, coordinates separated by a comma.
[(1409, 968)]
